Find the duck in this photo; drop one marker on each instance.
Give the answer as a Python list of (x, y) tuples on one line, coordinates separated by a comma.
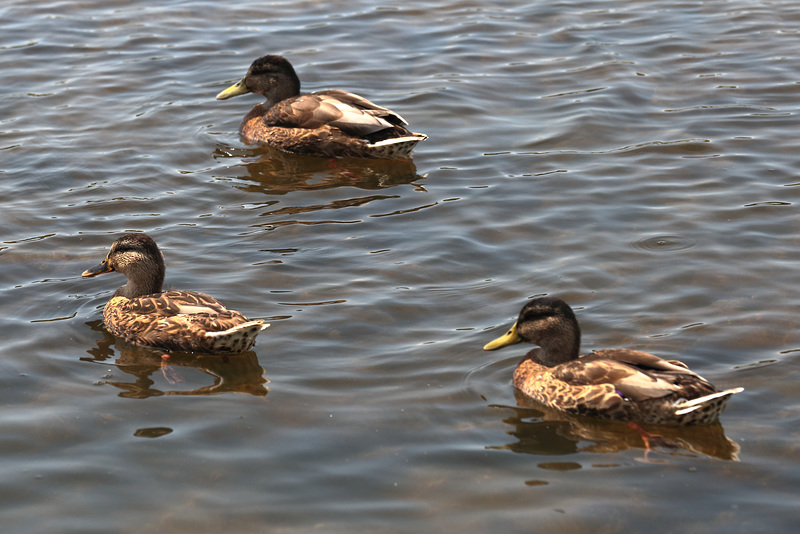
[(331, 123), (174, 320), (618, 384)]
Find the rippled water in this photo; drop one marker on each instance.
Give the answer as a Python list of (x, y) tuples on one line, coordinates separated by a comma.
[(634, 158)]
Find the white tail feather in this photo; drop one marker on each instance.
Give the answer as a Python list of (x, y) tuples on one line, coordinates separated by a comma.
[(691, 405), (238, 328), (415, 138)]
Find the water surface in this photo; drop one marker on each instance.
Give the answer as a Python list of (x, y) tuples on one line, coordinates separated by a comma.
[(634, 158)]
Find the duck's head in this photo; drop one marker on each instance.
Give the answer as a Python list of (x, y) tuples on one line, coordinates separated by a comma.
[(136, 256), (548, 322), (270, 76)]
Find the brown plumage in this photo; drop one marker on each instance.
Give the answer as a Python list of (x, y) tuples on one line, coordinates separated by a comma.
[(331, 123), (621, 384), (174, 320)]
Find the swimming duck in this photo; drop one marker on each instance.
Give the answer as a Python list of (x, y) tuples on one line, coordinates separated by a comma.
[(621, 384), (332, 123), (184, 321)]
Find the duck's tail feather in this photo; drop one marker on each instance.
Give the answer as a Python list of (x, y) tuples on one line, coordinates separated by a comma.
[(238, 338), (691, 405), (397, 146)]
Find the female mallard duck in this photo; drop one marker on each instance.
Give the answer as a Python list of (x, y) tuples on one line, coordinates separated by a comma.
[(620, 384), (331, 123), (175, 320)]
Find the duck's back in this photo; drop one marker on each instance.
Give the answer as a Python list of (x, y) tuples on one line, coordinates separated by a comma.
[(331, 123)]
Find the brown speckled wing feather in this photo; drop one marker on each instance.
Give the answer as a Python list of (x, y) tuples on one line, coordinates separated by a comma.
[(174, 320), (362, 104), (174, 302), (641, 360), (350, 113), (634, 374)]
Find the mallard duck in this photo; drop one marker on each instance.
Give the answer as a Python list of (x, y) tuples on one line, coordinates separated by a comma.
[(172, 320), (331, 123), (621, 384)]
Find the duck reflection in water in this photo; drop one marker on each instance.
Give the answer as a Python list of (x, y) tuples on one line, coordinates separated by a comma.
[(275, 172), (544, 431), (217, 373)]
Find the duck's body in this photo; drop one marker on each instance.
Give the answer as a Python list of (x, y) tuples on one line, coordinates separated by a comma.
[(172, 320), (621, 384), (332, 123)]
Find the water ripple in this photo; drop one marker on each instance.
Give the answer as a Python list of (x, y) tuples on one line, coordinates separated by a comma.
[(663, 243), (638, 159)]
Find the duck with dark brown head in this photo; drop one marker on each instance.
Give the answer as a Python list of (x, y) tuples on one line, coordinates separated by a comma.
[(620, 384), (331, 123)]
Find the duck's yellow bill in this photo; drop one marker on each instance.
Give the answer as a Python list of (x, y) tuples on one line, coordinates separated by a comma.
[(239, 88), (509, 338)]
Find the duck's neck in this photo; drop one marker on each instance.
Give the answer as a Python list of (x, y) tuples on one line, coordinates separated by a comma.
[(558, 348), (144, 278), (280, 89), (282, 93)]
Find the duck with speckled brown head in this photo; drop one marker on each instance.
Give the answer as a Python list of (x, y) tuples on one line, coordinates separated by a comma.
[(188, 321)]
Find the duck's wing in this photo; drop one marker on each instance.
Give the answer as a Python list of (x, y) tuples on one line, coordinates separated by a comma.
[(194, 303), (352, 100), (642, 360), (172, 311), (175, 302), (634, 374), (349, 112)]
